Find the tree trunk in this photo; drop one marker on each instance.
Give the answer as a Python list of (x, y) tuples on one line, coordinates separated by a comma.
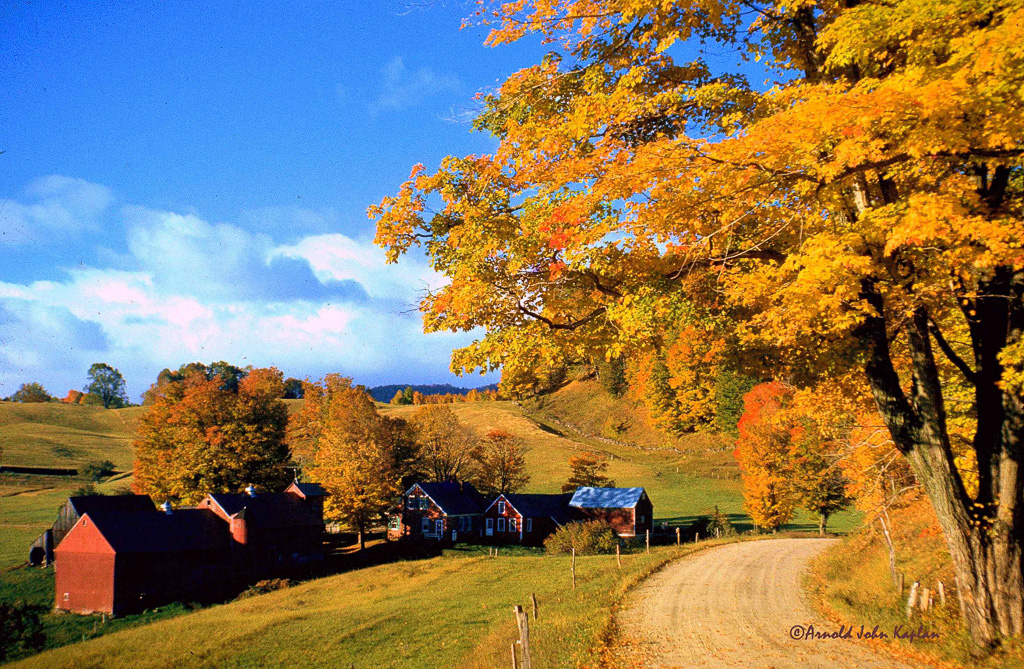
[(984, 536), (822, 523), (362, 536)]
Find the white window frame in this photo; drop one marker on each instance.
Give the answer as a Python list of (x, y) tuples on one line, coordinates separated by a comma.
[(426, 525), (501, 524), (529, 524), (511, 524), (501, 508)]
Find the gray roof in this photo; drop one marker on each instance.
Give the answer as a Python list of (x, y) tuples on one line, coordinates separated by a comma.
[(540, 506), (454, 498), (310, 489), (606, 498)]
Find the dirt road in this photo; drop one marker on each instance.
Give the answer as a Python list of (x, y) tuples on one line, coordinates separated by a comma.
[(734, 606)]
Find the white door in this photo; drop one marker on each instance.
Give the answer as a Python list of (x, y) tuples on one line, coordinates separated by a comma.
[(490, 527), (439, 525)]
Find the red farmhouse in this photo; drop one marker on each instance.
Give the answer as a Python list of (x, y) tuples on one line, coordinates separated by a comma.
[(525, 519), (447, 511), (628, 510)]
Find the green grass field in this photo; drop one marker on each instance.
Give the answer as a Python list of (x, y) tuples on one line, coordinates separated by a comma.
[(449, 611), (452, 610), (66, 435)]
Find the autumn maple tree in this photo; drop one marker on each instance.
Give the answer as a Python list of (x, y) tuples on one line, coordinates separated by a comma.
[(501, 463), (587, 470), (357, 455), (447, 448), (198, 437), (859, 211)]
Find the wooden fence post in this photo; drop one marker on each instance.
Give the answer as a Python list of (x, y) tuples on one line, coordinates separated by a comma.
[(515, 661), (618, 557), (925, 596), (574, 569), (942, 594), (648, 541), (533, 598), (912, 599), (677, 536), (696, 537), (524, 634)]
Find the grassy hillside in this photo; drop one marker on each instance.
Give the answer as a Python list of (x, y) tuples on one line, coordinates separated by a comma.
[(449, 611), (66, 435)]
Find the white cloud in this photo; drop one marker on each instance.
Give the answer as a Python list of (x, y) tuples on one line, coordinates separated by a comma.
[(403, 87), (60, 207), (201, 291)]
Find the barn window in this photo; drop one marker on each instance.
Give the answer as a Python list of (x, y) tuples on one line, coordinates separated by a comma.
[(426, 526), (501, 508), (529, 524), (65, 596), (641, 518), (501, 524)]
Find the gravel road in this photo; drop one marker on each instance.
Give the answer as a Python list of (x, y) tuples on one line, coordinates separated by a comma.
[(734, 606)]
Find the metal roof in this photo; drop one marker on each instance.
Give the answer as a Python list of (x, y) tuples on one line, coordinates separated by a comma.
[(454, 498), (606, 498)]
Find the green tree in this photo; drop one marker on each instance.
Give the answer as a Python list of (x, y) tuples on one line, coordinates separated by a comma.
[(21, 631), (31, 392), (107, 384), (98, 469)]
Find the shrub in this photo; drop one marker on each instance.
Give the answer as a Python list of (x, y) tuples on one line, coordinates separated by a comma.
[(98, 469), (588, 538), (715, 524), (267, 586), (21, 632), (88, 490)]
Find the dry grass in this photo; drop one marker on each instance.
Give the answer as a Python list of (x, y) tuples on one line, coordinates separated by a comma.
[(852, 584)]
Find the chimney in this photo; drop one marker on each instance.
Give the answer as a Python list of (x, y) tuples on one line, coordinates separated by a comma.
[(166, 506), (250, 490)]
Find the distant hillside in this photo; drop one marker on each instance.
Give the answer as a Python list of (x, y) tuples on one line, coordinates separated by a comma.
[(66, 435), (385, 393)]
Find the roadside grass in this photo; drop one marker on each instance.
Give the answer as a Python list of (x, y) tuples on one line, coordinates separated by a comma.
[(453, 610), (851, 584), (54, 434)]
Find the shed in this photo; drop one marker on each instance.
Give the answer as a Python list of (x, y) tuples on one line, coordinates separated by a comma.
[(628, 510)]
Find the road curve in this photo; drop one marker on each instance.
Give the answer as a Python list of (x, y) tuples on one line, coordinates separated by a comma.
[(734, 606)]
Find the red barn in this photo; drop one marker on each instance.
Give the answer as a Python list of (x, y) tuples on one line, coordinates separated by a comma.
[(41, 550), (524, 519), (121, 563), (271, 531), (628, 510), (447, 511)]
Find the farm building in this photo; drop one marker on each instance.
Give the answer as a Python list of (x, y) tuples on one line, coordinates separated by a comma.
[(121, 563), (444, 511), (524, 519), (40, 552), (628, 510), (272, 530), (124, 560)]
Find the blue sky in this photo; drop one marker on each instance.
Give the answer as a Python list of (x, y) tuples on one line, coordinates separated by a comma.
[(188, 181)]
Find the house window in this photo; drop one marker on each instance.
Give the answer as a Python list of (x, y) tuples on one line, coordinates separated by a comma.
[(501, 524), (411, 503), (426, 526), (529, 524), (641, 518), (511, 524), (65, 596), (395, 523), (424, 503), (501, 508)]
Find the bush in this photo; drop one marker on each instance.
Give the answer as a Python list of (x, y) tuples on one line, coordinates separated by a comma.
[(716, 524), (88, 490), (594, 536), (31, 392), (21, 632), (98, 469), (267, 586)]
